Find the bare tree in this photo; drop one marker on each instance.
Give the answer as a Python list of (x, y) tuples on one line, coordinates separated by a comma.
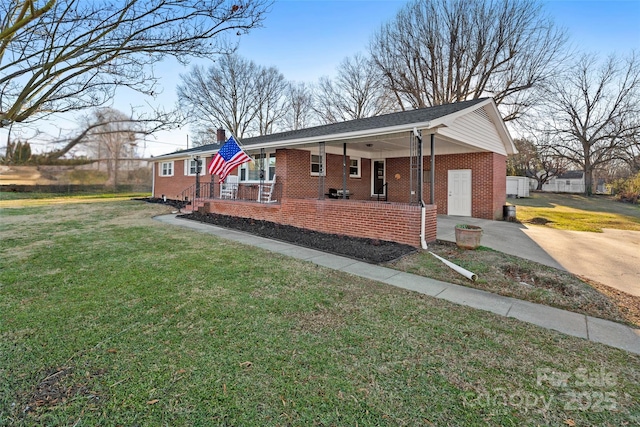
[(221, 95), (535, 161), (356, 92), (591, 113), (70, 55), (234, 93), (111, 138), (300, 107), (438, 51), (17, 15), (271, 89), (525, 160)]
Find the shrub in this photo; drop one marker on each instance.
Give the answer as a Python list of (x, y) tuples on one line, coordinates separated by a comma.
[(628, 190)]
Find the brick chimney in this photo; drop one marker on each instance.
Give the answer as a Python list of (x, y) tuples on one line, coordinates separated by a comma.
[(221, 137)]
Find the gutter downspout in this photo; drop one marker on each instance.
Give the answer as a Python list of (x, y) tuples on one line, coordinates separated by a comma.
[(423, 208), (466, 273)]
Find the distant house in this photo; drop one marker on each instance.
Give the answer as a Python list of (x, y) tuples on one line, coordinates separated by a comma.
[(384, 177), (568, 182)]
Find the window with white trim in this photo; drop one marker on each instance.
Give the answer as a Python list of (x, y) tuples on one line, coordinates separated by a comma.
[(166, 169), (190, 166), (250, 171), (354, 167), (316, 163)]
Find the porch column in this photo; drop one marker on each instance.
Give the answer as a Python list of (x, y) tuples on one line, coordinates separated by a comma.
[(344, 170), (321, 172), (420, 169), (432, 188)]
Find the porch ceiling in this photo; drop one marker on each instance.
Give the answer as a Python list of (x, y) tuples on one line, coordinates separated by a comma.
[(393, 145)]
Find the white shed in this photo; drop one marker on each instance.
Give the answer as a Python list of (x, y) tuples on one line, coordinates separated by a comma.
[(517, 186)]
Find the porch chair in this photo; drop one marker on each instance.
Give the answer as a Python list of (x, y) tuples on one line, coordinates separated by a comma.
[(265, 193), (229, 188)]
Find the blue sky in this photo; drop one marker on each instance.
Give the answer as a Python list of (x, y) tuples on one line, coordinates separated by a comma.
[(308, 39)]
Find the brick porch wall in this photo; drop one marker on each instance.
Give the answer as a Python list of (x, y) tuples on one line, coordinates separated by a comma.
[(384, 221)]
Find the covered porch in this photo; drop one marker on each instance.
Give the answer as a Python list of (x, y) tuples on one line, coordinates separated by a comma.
[(364, 176)]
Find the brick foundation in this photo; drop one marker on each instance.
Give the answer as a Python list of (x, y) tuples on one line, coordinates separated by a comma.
[(384, 221)]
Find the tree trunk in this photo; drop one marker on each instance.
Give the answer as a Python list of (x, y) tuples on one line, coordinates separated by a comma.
[(588, 175)]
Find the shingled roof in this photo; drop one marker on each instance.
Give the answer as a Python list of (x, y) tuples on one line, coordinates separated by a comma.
[(420, 115)]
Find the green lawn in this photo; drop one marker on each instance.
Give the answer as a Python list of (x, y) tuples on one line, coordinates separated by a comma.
[(110, 318), (577, 212)]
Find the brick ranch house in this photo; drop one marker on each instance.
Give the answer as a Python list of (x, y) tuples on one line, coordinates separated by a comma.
[(374, 177)]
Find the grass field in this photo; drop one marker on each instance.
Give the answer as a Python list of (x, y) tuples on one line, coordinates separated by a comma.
[(110, 318), (577, 212), (15, 199)]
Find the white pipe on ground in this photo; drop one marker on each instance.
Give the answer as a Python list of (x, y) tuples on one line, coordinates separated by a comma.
[(466, 273), (423, 241)]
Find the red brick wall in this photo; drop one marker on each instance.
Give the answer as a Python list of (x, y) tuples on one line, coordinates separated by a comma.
[(488, 175), (293, 172), (488, 182), (499, 184), (173, 186), (295, 166), (384, 221)]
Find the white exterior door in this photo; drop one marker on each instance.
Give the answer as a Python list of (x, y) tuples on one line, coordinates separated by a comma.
[(459, 188)]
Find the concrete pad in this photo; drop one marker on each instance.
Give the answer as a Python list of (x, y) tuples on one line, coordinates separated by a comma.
[(550, 318), (411, 282), (477, 299), (369, 271), (614, 334)]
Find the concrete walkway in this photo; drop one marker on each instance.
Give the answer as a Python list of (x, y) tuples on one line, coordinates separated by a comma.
[(578, 325)]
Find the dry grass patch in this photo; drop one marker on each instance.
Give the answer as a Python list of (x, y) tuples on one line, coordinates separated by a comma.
[(519, 278)]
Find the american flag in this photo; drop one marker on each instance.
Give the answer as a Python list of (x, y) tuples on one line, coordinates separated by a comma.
[(228, 158)]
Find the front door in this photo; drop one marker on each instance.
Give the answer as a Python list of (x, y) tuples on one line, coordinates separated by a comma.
[(378, 178), (459, 188)]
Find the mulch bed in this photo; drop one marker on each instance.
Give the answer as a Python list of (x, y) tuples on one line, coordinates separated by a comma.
[(368, 250), (178, 204)]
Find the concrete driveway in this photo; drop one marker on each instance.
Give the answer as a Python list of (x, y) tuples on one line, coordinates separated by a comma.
[(611, 258)]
